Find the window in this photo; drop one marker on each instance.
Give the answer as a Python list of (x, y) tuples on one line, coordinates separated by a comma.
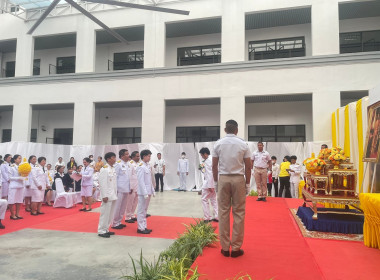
[(65, 65), (197, 134), (199, 55), (366, 41), (7, 135), (63, 136), (36, 67), (10, 67), (128, 60), (277, 133), (33, 135), (126, 135), (277, 48)]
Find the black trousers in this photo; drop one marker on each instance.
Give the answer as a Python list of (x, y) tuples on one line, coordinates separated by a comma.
[(275, 185), (159, 178), (285, 184)]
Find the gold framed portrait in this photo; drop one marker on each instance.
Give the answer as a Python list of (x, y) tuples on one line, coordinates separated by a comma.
[(371, 149)]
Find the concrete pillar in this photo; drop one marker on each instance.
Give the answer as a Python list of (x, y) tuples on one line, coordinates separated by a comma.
[(24, 56), (154, 42), (84, 119), (21, 122), (233, 31), (153, 120), (325, 27), (325, 102), (232, 107), (86, 46)]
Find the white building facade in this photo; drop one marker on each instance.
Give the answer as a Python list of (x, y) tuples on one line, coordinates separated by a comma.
[(279, 68)]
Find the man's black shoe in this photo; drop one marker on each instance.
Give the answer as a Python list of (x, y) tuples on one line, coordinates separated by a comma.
[(110, 233), (143, 231), (129, 221), (148, 215), (215, 220), (150, 230), (264, 199), (225, 253), (123, 225), (134, 219), (118, 227), (235, 254), (105, 235), (259, 199)]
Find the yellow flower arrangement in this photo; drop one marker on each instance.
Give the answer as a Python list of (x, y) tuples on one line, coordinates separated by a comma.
[(314, 165), (324, 154), (337, 156), (24, 168)]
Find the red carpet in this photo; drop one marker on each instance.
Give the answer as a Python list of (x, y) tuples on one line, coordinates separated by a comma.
[(275, 248)]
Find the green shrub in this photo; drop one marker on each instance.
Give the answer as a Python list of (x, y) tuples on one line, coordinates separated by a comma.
[(253, 193)]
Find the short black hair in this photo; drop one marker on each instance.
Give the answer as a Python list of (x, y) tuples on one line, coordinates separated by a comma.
[(260, 143), (16, 156), (273, 157), (108, 155), (31, 157), (145, 153), (231, 126), (7, 156), (324, 145), (60, 158), (287, 158), (158, 153), (204, 150), (87, 159), (122, 152), (183, 153), (293, 157), (41, 159), (134, 153)]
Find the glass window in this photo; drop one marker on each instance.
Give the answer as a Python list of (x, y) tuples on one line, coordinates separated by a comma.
[(36, 67), (63, 136), (277, 48), (366, 41), (277, 133), (126, 135), (199, 55), (6, 135), (197, 134), (33, 135), (128, 60), (10, 67), (65, 65)]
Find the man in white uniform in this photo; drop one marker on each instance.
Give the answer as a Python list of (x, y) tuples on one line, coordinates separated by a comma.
[(260, 162), (145, 191), (123, 173), (5, 173), (108, 192), (132, 197), (208, 188), (159, 172), (3, 205), (183, 171), (60, 162), (295, 173)]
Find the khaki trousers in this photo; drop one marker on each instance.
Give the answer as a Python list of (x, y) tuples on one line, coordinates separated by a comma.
[(231, 192), (261, 177)]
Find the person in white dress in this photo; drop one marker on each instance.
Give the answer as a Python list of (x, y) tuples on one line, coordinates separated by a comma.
[(108, 191), (60, 162), (275, 173), (145, 191), (50, 173), (16, 189), (208, 188), (28, 185), (183, 171), (132, 199), (5, 171), (87, 184), (39, 182), (295, 174)]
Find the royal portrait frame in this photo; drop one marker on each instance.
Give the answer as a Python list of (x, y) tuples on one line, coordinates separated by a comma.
[(373, 133)]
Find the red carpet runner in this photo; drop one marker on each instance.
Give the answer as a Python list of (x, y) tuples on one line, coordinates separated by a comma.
[(274, 248)]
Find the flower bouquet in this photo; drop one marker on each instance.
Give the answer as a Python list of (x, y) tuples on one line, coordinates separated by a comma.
[(314, 165), (337, 159), (324, 154), (24, 168), (201, 167)]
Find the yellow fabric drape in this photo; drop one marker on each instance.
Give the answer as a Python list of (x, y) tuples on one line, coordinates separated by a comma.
[(359, 118), (337, 127), (370, 203), (333, 128), (346, 131)]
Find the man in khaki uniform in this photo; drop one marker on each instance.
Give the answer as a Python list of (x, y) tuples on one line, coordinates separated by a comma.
[(232, 156)]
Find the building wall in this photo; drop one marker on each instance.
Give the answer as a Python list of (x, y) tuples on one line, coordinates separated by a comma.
[(280, 113)]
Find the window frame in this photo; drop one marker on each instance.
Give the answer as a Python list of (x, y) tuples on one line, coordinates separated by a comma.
[(65, 70), (8, 131), (10, 73), (135, 65), (202, 58), (276, 136), (37, 69), (361, 41), (199, 137), (119, 140)]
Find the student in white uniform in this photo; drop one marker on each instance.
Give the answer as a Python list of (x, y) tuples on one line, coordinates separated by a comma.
[(275, 173), (183, 171), (145, 191), (50, 173), (208, 188), (39, 182), (108, 191), (16, 189), (3, 205), (132, 199), (295, 173), (5, 173), (87, 184), (123, 173), (28, 185), (60, 162), (159, 170)]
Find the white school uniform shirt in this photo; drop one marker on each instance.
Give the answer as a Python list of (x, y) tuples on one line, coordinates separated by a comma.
[(183, 165), (39, 178), (5, 172), (208, 182), (60, 164), (144, 177), (260, 159), (231, 151), (160, 166), (295, 176), (275, 170), (134, 183), (16, 180), (108, 182), (87, 173), (123, 173), (95, 180)]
